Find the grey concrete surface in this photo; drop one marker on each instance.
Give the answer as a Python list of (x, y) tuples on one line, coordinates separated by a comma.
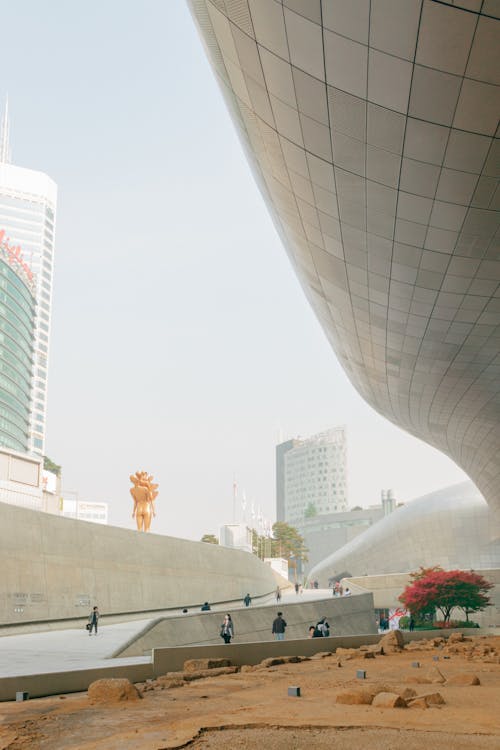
[(55, 568), (346, 616), (59, 650)]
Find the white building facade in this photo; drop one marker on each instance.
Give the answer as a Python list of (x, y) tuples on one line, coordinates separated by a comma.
[(84, 510), (27, 215), (315, 476), (236, 536)]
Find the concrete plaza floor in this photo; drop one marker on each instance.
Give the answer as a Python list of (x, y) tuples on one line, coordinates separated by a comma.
[(71, 649)]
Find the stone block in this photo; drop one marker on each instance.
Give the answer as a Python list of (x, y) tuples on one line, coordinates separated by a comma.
[(389, 700), (113, 690), (195, 665), (463, 680), (355, 697), (417, 703), (392, 641), (214, 672), (456, 638), (424, 701), (376, 649), (294, 691), (346, 653), (360, 674), (415, 664), (406, 693), (22, 696)]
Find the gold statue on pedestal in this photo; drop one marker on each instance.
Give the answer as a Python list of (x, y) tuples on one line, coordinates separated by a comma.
[(144, 493)]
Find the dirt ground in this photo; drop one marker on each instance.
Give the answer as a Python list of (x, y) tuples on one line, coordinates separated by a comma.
[(252, 708)]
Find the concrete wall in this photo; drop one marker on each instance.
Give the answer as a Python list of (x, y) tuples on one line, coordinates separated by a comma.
[(172, 659), (55, 568), (346, 616)]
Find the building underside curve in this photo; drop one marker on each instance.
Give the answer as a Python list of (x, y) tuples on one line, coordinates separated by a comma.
[(371, 130)]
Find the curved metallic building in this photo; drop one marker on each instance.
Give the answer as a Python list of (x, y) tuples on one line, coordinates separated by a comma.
[(17, 326), (370, 126), (450, 527)]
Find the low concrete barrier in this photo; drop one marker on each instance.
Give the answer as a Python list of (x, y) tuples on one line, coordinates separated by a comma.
[(75, 681), (172, 659)]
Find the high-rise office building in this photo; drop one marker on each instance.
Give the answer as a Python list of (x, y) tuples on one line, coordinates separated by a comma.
[(27, 218), (17, 324), (311, 476)]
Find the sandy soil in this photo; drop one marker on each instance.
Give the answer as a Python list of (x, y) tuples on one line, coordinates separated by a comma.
[(251, 709)]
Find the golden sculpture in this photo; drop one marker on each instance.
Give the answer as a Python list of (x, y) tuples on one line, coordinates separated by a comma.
[(144, 493)]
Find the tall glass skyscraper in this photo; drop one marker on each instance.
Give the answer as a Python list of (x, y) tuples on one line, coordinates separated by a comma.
[(27, 218), (17, 322)]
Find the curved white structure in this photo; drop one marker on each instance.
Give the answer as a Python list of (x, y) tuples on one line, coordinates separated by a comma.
[(449, 527), (370, 127)]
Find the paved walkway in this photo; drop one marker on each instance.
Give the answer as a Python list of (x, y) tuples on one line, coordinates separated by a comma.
[(65, 650)]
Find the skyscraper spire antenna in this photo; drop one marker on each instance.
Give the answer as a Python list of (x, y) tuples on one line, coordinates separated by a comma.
[(4, 136)]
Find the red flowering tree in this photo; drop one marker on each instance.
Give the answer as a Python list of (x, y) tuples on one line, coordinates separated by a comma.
[(444, 590)]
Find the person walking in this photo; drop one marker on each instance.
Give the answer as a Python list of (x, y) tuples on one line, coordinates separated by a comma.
[(93, 620), (278, 595), (227, 629), (279, 626), (296, 588), (323, 627), (247, 600)]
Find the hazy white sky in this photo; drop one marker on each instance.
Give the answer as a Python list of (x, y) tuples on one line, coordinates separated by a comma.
[(181, 340)]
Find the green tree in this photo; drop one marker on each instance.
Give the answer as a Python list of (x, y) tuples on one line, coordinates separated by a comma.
[(310, 511), (209, 539), (288, 543), (49, 465)]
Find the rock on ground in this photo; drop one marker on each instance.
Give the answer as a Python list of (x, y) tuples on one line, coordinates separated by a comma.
[(112, 691), (388, 700), (463, 679), (195, 665), (355, 697), (392, 641)]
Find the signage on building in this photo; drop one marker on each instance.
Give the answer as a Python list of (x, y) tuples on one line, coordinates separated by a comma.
[(14, 254)]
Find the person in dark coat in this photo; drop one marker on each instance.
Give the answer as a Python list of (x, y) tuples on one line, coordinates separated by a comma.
[(247, 600), (279, 626), (227, 629), (205, 607), (323, 627), (314, 632), (93, 620)]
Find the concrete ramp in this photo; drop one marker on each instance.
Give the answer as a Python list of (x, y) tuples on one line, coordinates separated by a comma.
[(351, 615)]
